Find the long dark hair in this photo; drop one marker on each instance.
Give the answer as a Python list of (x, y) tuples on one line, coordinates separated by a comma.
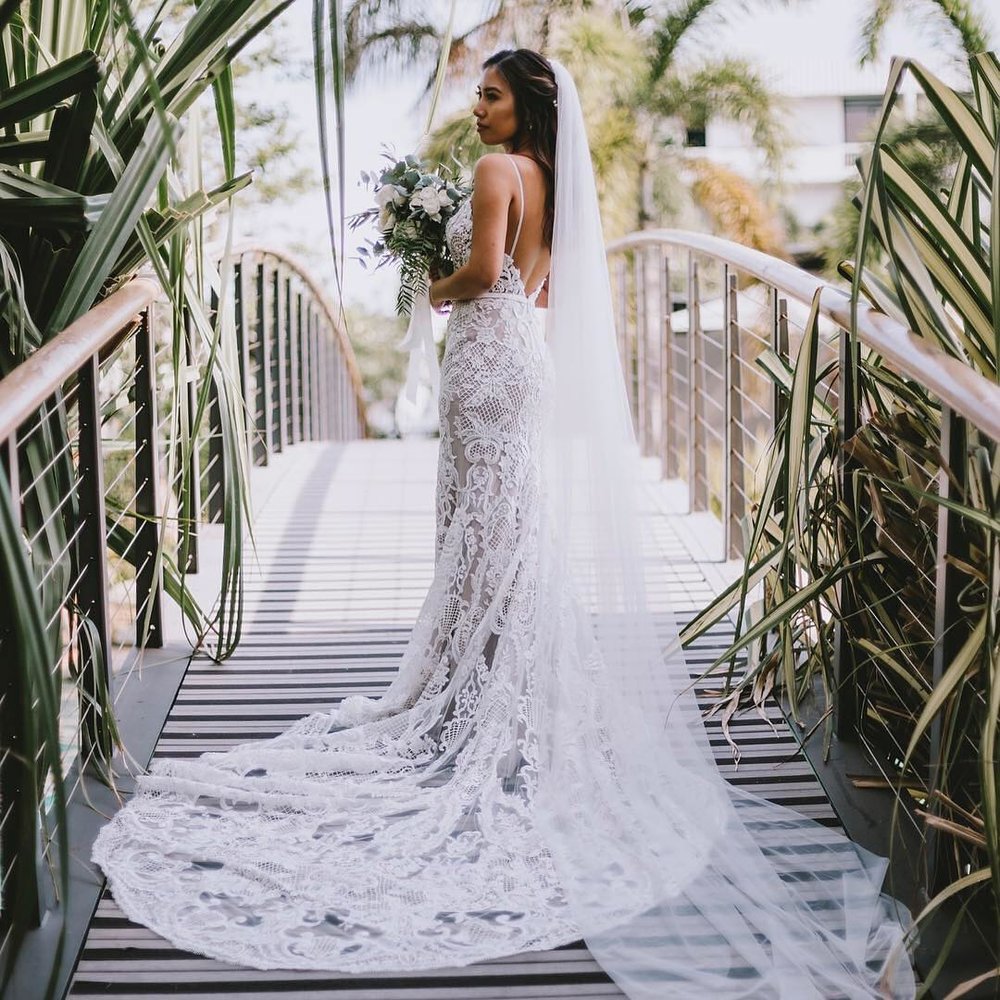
[(533, 83)]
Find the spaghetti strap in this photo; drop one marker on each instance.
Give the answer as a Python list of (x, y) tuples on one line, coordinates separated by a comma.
[(520, 185)]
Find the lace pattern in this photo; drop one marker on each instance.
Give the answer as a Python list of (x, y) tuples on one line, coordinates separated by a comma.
[(481, 807), (395, 833)]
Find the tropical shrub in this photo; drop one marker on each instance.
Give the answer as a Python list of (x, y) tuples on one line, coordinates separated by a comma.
[(876, 542), (97, 180)]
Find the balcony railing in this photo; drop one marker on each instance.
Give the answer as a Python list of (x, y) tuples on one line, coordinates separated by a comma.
[(84, 428), (708, 331)]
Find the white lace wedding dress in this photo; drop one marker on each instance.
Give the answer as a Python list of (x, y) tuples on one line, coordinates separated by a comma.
[(406, 840), (504, 795)]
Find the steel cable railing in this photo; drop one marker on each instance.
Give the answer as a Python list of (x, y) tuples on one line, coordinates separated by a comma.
[(709, 333), (84, 427)]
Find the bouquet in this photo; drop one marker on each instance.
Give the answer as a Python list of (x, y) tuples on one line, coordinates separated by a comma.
[(412, 205)]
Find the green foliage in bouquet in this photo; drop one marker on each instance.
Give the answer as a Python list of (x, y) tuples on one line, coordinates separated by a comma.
[(413, 203)]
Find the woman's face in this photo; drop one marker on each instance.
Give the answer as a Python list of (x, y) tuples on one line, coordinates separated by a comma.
[(496, 119)]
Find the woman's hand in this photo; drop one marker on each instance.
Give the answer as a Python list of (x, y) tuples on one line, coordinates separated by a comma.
[(435, 276)]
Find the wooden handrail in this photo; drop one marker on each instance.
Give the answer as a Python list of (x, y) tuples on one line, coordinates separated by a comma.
[(966, 391), (24, 390)]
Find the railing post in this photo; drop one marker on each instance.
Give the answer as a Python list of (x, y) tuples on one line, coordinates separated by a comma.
[(92, 590), (305, 367), (780, 345), (21, 878), (642, 401), (280, 331), (727, 427), (848, 696), (951, 624), (625, 338), (9, 466), (95, 664), (288, 300), (242, 294), (668, 412), (295, 354), (336, 412), (324, 380), (314, 375), (149, 576), (306, 361), (190, 507), (216, 459), (734, 486), (698, 484), (338, 409), (335, 407), (348, 402), (264, 387)]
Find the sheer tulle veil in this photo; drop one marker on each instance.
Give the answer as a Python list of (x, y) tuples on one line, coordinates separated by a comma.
[(681, 884), (537, 769)]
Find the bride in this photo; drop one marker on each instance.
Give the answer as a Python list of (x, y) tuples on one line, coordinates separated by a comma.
[(538, 771)]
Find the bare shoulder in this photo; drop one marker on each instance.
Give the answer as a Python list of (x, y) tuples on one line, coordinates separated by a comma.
[(493, 170)]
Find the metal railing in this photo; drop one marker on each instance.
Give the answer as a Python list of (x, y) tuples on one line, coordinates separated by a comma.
[(52, 411), (704, 401), (701, 403), (300, 379), (298, 374), (82, 456)]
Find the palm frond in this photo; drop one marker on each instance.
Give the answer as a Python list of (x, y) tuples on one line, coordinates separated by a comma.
[(873, 28), (730, 88), (670, 33), (392, 49), (734, 207), (959, 20)]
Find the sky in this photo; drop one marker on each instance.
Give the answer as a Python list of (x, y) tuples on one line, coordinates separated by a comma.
[(796, 43)]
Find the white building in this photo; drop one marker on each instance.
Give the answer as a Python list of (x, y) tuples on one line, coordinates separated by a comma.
[(808, 53)]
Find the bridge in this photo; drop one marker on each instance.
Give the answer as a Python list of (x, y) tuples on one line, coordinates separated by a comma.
[(317, 601)]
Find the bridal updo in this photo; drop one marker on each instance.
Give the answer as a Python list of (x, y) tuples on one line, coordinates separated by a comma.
[(533, 83)]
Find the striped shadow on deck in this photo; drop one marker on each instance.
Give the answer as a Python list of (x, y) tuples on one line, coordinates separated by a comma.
[(344, 548)]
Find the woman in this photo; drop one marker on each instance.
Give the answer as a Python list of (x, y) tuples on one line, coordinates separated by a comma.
[(537, 770)]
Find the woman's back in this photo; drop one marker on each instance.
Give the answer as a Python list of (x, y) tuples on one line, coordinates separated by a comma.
[(531, 253)]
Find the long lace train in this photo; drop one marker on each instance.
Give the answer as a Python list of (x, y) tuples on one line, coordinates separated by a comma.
[(503, 795)]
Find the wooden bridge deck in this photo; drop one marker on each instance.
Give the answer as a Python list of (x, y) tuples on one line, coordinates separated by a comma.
[(344, 538)]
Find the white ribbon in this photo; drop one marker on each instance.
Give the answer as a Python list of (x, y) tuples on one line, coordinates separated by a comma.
[(419, 341)]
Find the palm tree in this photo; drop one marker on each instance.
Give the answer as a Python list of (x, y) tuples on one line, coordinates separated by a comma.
[(925, 144), (678, 91), (383, 36), (960, 20), (641, 87)]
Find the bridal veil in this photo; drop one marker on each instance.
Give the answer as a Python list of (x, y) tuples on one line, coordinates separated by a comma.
[(682, 885), (537, 770)]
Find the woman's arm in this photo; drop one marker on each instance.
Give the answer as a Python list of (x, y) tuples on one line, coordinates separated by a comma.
[(492, 193)]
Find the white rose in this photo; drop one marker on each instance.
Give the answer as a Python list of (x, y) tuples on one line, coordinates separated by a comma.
[(443, 200), (428, 199), (385, 196), (386, 218)]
